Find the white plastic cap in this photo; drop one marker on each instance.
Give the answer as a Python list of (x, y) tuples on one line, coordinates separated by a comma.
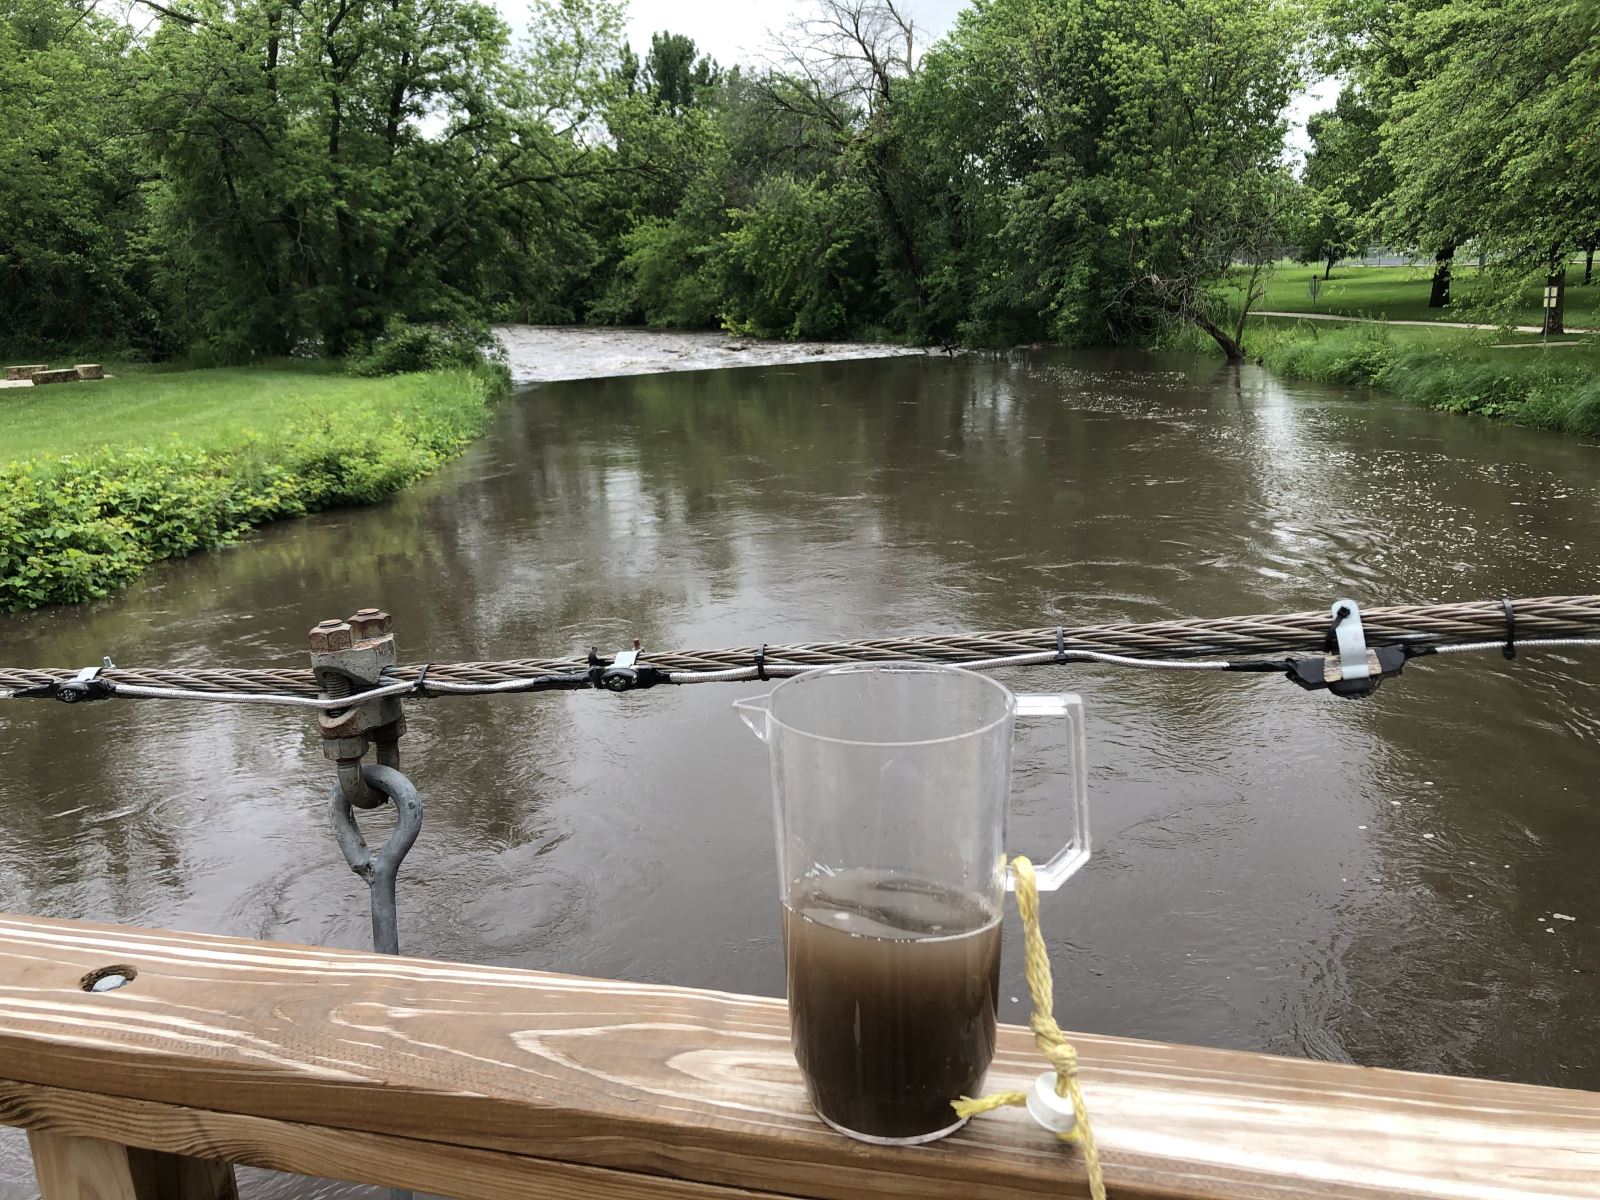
[(1054, 1112)]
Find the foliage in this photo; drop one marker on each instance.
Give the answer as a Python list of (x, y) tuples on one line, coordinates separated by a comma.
[(1500, 98), (1401, 294), (800, 260), (1347, 178), (1554, 390), (402, 348), (71, 266), (78, 526), (1116, 157)]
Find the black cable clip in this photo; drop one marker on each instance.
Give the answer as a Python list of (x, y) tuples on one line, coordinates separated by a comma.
[(1510, 649), (626, 672), (85, 685), (1346, 667), (420, 687), (761, 663), (1061, 644)]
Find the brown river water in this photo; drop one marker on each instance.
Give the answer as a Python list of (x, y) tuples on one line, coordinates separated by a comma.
[(1371, 881)]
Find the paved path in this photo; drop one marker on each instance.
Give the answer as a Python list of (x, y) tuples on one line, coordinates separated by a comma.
[(1302, 316)]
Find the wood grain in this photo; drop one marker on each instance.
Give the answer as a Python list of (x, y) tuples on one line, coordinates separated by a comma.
[(639, 1080), (357, 1157), (72, 1167)]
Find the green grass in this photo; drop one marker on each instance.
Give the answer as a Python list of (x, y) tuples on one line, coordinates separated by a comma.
[(1451, 370), (212, 411), (1401, 294), (98, 480)]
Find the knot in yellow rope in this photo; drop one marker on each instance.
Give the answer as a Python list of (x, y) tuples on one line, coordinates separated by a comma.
[(1047, 1034)]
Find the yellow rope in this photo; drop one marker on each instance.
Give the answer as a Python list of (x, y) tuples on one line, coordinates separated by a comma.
[(1047, 1034)]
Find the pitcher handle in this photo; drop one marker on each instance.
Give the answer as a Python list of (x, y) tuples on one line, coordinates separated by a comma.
[(1067, 860)]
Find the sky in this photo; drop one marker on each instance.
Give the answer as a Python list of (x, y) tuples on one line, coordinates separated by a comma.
[(736, 30)]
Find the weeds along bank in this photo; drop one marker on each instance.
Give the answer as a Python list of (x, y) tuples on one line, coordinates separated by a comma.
[(1492, 374), (98, 481)]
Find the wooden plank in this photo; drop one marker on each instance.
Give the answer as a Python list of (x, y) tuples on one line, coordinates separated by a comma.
[(344, 1154), (701, 1086), (73, 1167)]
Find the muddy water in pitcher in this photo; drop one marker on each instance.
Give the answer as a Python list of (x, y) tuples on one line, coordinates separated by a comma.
[(1265, 876), (893, 985)]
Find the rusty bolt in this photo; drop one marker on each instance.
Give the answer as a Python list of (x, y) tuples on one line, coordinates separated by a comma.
[(330, 635), (371, 623)]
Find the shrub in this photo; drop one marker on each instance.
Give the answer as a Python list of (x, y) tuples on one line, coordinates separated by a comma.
[(404, 348)]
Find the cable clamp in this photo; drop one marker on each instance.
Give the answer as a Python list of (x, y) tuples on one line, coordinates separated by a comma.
[(1510, 650), (626, 672), (1061, 644), (1350, 668), (761, 663), (85, 685)]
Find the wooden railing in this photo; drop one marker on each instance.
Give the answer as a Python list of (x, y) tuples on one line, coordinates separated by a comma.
[(489, 1083)]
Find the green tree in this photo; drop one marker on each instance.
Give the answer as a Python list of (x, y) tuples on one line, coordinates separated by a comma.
[(328, 165), (1347, 178), (1495, 130), (1123, 156), (73, 267)]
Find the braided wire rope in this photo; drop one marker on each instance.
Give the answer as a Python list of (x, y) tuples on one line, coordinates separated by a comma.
[(1427, 625)]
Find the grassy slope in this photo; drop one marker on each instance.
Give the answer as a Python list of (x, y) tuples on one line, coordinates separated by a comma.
[(213, 410), (98, 480), (1554, 388), (1401, 294)]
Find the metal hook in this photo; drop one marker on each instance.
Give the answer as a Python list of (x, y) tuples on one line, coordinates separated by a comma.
[(382, 869)]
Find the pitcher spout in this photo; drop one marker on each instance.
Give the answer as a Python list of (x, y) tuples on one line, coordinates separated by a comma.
[(753, 712)]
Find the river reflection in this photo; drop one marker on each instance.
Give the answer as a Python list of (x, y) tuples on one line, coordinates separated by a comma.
[(1276, 870)]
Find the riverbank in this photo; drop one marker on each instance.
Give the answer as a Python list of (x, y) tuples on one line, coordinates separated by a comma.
[(101, 480), (1507, 377), (1554, 387)]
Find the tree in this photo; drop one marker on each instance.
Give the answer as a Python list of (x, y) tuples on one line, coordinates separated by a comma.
[(1493, 129), (1347, 179), (328, 165), (72, 264), (1125, 156)]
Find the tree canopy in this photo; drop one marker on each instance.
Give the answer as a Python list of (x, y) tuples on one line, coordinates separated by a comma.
[(243, 178)]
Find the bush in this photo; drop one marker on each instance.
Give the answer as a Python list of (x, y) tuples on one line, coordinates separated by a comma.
[(404, 348), (77, 527)]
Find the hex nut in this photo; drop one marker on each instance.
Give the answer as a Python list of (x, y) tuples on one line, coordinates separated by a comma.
[(371, 623), (331, 635)]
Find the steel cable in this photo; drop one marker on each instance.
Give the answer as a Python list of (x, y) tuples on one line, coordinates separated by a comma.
[(1231, 643)]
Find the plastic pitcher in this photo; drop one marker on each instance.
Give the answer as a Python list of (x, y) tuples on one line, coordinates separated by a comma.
[(891, 785)]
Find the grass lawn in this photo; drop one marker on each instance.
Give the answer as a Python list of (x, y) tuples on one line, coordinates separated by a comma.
[(1401, 294), (100, 479), (213, 410)]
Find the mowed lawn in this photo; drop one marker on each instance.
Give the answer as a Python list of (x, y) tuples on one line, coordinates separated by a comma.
[(1401, 294), (209, 410)]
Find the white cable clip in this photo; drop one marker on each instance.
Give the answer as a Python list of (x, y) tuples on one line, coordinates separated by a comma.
[(1352, 640), (1055, 1113)]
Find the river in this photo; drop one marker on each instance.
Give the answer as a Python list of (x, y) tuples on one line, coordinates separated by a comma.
[(1371, 881)]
